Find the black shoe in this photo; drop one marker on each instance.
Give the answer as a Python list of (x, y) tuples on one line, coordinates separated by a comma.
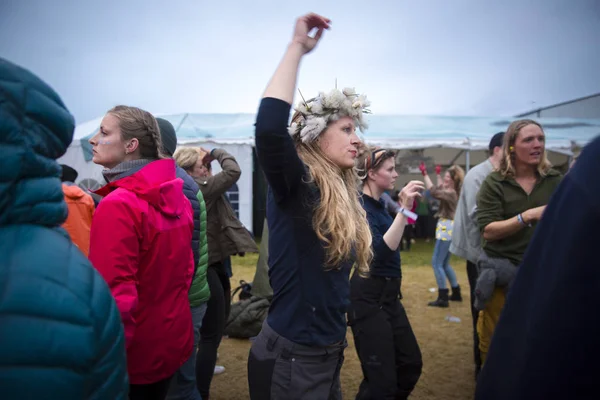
[(456, 294), (442, 300)]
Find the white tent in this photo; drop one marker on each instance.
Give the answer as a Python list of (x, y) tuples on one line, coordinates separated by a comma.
[(204, 130), (443, 140)]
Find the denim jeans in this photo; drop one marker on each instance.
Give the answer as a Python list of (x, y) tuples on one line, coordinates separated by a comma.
[(183, 385), (441, 264)]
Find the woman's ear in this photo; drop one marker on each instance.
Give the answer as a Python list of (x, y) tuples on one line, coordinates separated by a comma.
[(131, 146), (371, 174)]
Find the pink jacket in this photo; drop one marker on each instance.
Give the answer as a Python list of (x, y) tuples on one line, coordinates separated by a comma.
[(140, 243)]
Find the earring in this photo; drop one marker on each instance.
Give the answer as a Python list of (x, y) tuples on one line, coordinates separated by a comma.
[(511, 148)]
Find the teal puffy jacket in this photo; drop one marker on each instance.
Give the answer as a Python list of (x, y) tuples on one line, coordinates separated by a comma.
[(60, 330)]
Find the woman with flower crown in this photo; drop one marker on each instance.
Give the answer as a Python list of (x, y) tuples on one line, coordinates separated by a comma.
[(317, 229)]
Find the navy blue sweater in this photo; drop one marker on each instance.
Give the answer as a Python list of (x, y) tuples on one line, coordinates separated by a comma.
[(190, 190), (546, 344), (386, 262), (309, 302)]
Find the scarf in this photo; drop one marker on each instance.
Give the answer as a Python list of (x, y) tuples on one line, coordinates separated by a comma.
[(124, 169)]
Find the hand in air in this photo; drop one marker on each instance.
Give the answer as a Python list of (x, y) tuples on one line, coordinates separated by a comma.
[(411, 191), (423, 168), (304, 25), (208, 158), (438, 169)]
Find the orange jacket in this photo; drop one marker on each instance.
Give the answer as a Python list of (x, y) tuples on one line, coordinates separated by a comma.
[(79, 221)]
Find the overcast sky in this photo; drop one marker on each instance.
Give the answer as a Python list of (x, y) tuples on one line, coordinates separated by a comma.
[(437, 57)]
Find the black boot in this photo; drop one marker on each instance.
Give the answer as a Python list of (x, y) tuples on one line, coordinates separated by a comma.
[(442, 300), (456, 294)]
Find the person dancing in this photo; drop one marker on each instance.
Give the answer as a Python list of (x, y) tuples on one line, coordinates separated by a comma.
[(386, 345), (317, 229), (446, 191)]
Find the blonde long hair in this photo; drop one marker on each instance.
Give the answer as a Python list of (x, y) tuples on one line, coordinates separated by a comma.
[(339, 219), (457, 174), (507, 163)]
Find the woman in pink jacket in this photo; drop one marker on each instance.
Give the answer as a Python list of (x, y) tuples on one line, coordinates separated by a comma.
[(140, 243)]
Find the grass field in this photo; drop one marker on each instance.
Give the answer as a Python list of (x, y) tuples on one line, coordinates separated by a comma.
[(448, 371)]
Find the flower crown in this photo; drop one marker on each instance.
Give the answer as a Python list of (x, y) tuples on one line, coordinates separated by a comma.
[(317, 112)]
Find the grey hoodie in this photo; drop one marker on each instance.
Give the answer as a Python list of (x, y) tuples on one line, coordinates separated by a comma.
[(466, 237)]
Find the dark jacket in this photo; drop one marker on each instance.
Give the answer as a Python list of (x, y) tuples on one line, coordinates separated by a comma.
[(386, 261), (545, 345), (226, 234), (309, 301), (190, 190), (60, 331)]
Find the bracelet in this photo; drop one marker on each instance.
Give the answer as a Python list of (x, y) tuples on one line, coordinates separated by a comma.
[(407, 213), (522, 221)]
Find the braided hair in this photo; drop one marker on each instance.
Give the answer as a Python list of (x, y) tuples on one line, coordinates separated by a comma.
[(141, 125)]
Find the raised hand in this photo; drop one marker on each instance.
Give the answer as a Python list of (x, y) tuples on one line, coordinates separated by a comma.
[(304, 25), (411, 191), (438, 169), (423, 168), (208, 158)]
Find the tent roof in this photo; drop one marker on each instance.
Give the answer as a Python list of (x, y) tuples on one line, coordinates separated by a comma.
[(394, 131)]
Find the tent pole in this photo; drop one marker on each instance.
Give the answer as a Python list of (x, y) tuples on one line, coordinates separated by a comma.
[(468, 160)]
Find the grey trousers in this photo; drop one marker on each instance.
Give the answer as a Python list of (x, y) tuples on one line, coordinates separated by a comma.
[(279, 369)]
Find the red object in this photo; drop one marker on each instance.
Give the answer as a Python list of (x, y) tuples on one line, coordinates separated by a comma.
[(438, 169), (140, 244), (411, 221), (423, 168)]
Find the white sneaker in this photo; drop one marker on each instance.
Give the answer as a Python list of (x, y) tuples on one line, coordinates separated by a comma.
[(219, 369)]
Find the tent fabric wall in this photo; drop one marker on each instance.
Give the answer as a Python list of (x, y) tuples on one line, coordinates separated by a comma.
[(75, 158), (393, 131), (439, 139), (243, 155)]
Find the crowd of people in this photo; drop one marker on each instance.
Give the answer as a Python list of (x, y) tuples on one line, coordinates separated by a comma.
[(126, 294)]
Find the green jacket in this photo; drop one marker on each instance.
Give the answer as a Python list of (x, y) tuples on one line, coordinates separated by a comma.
[(260, 284), (501, 198), (199, 291)]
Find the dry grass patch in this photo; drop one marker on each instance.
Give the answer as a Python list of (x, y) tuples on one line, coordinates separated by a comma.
[(446, 346)]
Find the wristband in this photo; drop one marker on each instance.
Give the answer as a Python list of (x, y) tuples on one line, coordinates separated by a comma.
[(408, 214), (522, 221)]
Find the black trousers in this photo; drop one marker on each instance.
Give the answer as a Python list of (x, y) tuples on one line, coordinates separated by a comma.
[(409, 233), (389, 354), (473, 274), (279, 369), (152, 391), (213, 326), (421, 227)]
